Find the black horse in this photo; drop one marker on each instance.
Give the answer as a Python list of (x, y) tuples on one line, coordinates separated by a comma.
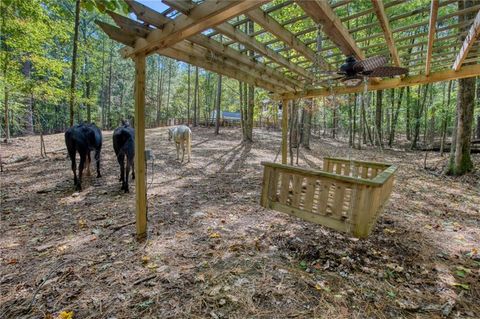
[(124, 145), (83, 138)]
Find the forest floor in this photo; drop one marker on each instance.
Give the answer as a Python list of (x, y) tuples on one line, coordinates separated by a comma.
[(213, 252)]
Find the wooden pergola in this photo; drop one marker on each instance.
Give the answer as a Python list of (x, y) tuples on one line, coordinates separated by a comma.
[(436, 42)]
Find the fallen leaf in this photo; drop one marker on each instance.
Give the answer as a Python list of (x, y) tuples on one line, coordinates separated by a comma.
[(12, 261), (215, 235), (82, 223), (65, 315), (464, 286)]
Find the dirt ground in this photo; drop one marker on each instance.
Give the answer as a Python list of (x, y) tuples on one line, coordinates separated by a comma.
[(213, 252)]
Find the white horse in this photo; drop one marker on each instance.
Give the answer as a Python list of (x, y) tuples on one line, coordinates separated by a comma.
[(181, 135)]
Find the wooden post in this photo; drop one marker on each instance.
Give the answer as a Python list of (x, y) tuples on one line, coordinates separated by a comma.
[(284, 131), (140, 189)]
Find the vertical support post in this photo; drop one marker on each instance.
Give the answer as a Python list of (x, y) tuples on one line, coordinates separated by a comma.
[(140, 186), (284, 131)]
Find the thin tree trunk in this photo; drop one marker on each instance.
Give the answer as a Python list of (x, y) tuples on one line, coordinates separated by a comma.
[(7, 121), (462, 162), (250, 95), (218, 102), (418, 115), (307, 123), (74, 62), (168, 89), (350, 122), (354, 124), (102, 91), (366, 125), (407, 115), (195, 98), (242, 116), (395, 118), (445, 118), (378, 118), (188, 96), (109, 101)]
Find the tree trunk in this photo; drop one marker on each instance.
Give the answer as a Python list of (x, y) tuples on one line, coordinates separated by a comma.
[(109, 101), (218, 102), (445, 118), (354, 119), (462, 162), (418, 115), (250, 96), (7, 121), (160, 78), (26, 70), (74, 62), (188, 96), (378, 118), (478, 126), (307, 123), (334, 122), (242, 115), (195, 98), (407, 115), (366, 125), (102, 91), (168, 89), (87, 94), (350, 121), (395, 118)]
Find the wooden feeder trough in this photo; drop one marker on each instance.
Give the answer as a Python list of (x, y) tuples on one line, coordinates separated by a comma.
[(346, 195)]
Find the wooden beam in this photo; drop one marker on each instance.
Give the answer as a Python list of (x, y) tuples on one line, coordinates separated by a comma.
[(432, 28), (116, 34), (284, 131), (321, 12), (156, 19), (239, 36), (217, 67), (470, 39), (379, 9), (250, 67), (206, 15), (250, 75), (445, 75), (275, 28), (185, 52), (140, 189)]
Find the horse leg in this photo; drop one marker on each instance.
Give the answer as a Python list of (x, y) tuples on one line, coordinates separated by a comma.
[(189, 147), (89, 159), (133, 168), (183, 150), (177, 145), (97, 160), (83, 155), (74, 166), (129, 163), (121, 162)]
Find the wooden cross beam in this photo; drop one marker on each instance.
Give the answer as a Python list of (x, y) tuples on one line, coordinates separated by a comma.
[(445, 75), (206, 15), (470, 39), (238, 61), (230, 31), (432, 28), (189, 53), (379, 9), (321, 12)]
